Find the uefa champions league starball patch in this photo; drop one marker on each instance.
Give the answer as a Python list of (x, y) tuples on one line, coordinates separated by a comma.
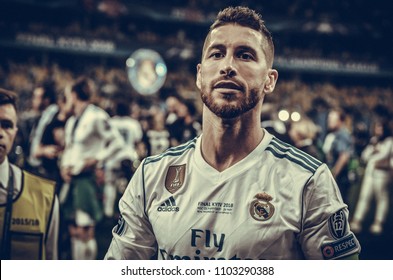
[(261, 209)]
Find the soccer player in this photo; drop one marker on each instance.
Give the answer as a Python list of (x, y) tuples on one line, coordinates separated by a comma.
[(89, 141), (376, 180), (29, 209), (235, 192), (118, 168)]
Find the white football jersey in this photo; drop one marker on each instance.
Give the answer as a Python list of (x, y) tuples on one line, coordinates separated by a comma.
[(131, 131), (91, 137), (277, 203)]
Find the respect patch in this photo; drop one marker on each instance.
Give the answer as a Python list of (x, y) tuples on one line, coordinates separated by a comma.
[(340, 247)]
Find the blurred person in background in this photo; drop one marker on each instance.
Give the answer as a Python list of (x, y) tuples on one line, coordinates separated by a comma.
[(185, 125), (272, 123), (338, 149), (29, 209), (378, 156), (156, 137), (47, 115), (303, 134), (119, 167), (89, 141), (49, 151), (319, 114), (43, 96), (236, 191), (52, 143)]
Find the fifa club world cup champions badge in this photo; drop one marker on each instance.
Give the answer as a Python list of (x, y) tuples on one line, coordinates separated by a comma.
[(175, 177)]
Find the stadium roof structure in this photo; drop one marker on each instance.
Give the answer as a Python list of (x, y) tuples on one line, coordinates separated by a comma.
[(336, 36)]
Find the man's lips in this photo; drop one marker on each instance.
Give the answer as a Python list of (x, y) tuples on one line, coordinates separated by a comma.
[(227, 85)]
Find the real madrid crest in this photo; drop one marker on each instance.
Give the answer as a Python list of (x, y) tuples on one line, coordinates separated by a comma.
[(261, 209), (175, 177)]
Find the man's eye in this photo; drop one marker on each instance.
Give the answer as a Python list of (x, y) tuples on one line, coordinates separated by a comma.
[(216, 55), (6, 124), (246, 56)]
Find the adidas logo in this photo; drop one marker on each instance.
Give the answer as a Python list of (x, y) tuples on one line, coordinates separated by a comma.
[(168, 206)]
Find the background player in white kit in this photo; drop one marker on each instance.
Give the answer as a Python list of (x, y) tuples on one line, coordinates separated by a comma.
[(378, 155), (235, 192), (90, 140), (119, 166)]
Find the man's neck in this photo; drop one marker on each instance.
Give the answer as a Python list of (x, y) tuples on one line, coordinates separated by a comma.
[(224, 143), (4, 161), (80, 106)]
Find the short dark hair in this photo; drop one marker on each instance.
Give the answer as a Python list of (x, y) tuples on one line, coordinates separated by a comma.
[(82, 89), (49, 91), (247, 17), (122, 109), (8, 97)]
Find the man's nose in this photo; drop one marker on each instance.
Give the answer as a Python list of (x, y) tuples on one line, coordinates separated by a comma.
[(228, 68)]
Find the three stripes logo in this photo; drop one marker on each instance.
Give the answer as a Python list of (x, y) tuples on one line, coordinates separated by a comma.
[(169, 205)]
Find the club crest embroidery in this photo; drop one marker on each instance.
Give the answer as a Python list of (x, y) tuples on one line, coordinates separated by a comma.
[(261, 209), (175, 178)]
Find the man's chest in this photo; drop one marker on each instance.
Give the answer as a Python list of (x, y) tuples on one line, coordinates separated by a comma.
[(239, 218)]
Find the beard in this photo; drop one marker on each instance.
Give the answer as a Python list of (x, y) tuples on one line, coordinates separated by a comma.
[(230, 111)]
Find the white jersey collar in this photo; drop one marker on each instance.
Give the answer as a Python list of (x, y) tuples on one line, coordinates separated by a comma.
[(239, 167), (4, 172)]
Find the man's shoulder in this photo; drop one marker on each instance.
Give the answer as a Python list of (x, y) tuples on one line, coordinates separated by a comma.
[(96, 111), (50, 110), (38, 179), (126, 122), (172, 154), (33, 182), (343, 133), (298, 158), (93, 114)]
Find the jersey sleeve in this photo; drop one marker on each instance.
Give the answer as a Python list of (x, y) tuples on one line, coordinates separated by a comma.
[(133, 236), (325, 230)]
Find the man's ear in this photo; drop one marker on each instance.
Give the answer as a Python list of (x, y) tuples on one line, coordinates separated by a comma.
[(198, 77), (271, 80)]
